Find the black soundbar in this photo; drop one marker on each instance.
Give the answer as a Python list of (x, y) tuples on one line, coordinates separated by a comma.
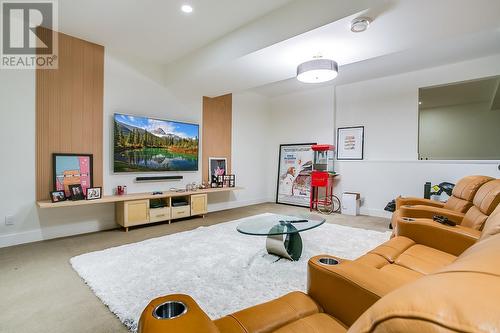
[(157, 178)]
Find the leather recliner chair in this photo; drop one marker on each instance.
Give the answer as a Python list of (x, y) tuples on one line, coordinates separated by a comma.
[(458, 204), (452, 239), (485, 200), (401, 286)]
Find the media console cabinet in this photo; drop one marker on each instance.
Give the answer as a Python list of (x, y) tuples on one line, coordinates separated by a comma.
[(144, 208)]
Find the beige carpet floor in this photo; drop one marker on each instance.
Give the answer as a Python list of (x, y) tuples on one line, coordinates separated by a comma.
[(40, 292)]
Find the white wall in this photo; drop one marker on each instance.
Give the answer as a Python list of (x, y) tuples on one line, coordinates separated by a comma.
[(128, 88), (465, 131), (302, 117), (388, 108)]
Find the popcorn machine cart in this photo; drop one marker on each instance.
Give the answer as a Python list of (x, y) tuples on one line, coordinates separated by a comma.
[(322, 198)]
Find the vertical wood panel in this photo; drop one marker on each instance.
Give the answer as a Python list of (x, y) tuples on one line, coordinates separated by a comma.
[(69, 109), (217, 130)]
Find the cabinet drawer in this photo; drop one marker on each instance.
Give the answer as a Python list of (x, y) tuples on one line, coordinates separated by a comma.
[(181, 211), (159, 214)]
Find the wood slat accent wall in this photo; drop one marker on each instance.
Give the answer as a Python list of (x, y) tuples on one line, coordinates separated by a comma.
[(69, 109), (217, 130)]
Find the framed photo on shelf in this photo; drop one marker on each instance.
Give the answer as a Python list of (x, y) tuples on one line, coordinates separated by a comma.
[(350, 143), (72, 169), (76, 192), (94, 193), (217, 166), (294, 174), (220, 181), (57, 196)]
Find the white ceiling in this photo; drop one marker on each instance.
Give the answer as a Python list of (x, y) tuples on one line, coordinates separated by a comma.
[(156, 30), (230, 46)]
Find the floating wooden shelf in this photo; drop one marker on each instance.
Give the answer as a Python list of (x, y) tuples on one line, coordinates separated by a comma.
[(130, 197)]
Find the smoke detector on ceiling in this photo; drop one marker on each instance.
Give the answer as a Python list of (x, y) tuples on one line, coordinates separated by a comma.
[(360, 24)]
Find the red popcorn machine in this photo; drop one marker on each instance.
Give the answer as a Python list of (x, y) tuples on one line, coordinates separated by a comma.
[(322, 177)]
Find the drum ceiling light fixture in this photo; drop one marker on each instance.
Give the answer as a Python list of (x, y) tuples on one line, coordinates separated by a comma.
[(317, 70)]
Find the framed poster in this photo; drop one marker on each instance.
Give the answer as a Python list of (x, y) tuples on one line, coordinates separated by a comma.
[(294, 174), (72, 169), (350, 143)]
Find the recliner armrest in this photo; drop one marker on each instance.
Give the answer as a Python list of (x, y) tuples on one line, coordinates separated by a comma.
[(427, 212), (347, 289), (194, 320), (453, 240), (400, 201)]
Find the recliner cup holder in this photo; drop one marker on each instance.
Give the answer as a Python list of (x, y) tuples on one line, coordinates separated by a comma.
[(170, 310), (328, 261), (408, 219)]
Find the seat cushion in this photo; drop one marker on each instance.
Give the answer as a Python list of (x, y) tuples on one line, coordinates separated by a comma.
[(410, 260), (393, 248), (267, 317), (423, 259), (317, 323)]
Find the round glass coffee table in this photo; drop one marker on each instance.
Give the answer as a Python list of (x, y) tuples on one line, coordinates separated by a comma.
[(282, 231)]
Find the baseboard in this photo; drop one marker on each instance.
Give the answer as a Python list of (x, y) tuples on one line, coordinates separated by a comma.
[(234, 204), (375, 212), (73, 229)]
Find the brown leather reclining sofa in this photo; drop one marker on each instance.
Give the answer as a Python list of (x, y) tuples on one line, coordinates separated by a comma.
[(400, 286), (463, 197)]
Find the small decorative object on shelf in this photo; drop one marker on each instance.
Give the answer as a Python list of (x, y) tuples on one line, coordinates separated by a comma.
[(57, 196), (191, 187), (94, 193), (121, 190), (76, 192)]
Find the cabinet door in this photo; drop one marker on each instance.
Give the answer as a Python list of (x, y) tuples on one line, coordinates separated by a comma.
[(136, 212), (199, 204)]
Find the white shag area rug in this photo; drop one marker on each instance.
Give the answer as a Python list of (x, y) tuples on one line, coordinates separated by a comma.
[(223, 270)]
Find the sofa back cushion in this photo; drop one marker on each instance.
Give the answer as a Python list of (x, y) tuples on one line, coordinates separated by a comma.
[(462, 297), (464, 192), (492, 225), (485, 201)]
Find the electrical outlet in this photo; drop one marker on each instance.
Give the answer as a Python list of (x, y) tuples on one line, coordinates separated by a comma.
[(9, 220)]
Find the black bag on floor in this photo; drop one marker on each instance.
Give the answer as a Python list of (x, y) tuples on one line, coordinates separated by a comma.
[(391, 206)]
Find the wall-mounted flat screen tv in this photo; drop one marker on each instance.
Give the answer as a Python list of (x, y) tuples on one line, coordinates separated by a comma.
[(144, 144)]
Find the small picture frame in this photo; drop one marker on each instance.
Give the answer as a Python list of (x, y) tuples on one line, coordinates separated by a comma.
[(57, 196), (220, 181), (94, 193), (232, 180), (76, 192)]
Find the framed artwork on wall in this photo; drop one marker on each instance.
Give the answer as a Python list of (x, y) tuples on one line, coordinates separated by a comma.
[(294, 174), (350, 143), (72, 169)]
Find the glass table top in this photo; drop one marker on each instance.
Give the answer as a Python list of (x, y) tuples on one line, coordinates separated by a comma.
[(272, 224)]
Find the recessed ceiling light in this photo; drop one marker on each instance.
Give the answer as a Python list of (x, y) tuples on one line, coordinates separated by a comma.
[(419, 103), (360, 24), (187, 9)]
